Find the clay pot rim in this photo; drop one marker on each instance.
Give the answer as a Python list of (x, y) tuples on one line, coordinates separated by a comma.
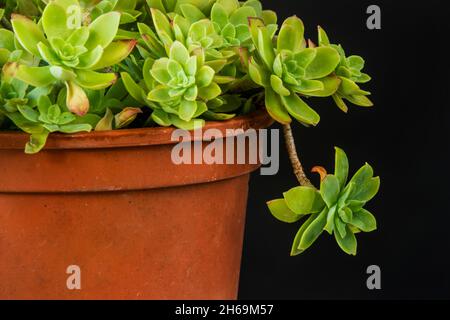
[(131, 137)]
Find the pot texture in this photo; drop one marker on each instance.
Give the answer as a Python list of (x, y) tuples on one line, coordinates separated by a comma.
[(115, 205)]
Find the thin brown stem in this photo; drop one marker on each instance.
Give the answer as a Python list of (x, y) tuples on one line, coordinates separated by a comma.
[(293, 156)]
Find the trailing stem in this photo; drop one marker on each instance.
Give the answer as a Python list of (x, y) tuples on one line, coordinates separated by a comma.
[(293, 156)]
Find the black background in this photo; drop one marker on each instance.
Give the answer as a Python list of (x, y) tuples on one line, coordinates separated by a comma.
[(405, 138)]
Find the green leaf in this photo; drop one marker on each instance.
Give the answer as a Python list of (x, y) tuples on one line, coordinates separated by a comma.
[(187, 110), (91, 58), (35, 76), (304, 200), (281, 211), (28, 33), (179, 53), (314, 230), (364, 220), (161, 118), (194, 124), (37, 142), (330, 86), (345, 214), (103, 30), (366, 191), (341, 167), (324, 63), (28, 113), (329, 227), (94, 80), (323, 38), (298, 109), (291, 35), (210, 92), (191, 12), (241, 15), (278, 86), (133, 88), (298, 237), (219, 15), (258, 74), (75, 128), (275, 108), (114, 54), (265, 47), (204, 76), (348, 243), (55, 23), (330, 189)]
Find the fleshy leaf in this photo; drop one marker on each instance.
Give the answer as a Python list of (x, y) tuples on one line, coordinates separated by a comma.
[(304, 200)]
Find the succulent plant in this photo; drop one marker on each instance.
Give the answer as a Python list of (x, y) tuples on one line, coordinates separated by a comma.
[(349, 71), (230, 19), (127, 9), (72, 51), (338, 207), (291, 69), (70, 66)]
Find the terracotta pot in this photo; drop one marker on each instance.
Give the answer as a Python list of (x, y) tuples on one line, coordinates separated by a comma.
[(114, 204)]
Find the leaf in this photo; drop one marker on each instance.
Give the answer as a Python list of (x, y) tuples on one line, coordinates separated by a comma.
[(75, 128), (329, 227), (28, 33), (133, 88), (194, 124), (298, 237), (298, 109), (159, 94), (210, 92), (191, 12), (341, 167), (106, 123), (291, 35), (103, 30), (324, 63), (90, 58), (313, 231), (37, 142), (219, 15), (366, 191), (162, 26), (360, 100), (258, 74), (265, 47), (126, 116), (214, 116), (28, 113), (364, 220), (114, 54), (275, 108), (241, 15), (278, 86), (348, 243), (187, 110), (340, 103), (330, 86), (323, 37), (345, 214), (281, 211), (179, 53), (94, 80), (77, 102), (35, 76), (204, 76), (304, 200), (330, 189), (55, 23), (161, 118)]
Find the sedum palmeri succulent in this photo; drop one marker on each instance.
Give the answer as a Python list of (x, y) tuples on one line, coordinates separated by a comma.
[(291, 69), (82, 65), (73, 52), (350, 74), (337, 208)]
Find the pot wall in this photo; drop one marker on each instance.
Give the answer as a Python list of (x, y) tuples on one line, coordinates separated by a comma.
[(114, 204)]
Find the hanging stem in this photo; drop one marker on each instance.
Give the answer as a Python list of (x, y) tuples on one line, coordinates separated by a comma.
[(293, 156)]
